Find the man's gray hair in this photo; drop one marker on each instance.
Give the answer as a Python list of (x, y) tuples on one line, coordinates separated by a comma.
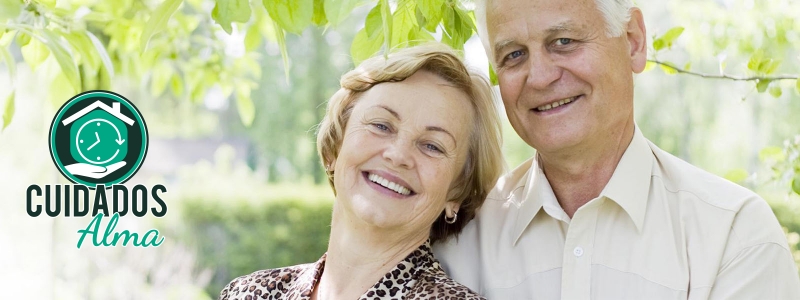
[(616, 13)]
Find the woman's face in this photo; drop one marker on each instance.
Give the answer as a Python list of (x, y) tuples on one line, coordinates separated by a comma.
[(404, 144)]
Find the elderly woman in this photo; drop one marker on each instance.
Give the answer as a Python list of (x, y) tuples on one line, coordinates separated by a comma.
[(411, 146)]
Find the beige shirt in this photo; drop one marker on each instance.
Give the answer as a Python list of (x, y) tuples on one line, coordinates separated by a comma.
[(661, 229)]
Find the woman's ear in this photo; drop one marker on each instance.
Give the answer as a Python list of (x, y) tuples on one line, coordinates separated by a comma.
[(451, 208)]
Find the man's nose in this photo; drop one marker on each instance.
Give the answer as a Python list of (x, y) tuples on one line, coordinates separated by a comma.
[(543, 71), (399, 153)]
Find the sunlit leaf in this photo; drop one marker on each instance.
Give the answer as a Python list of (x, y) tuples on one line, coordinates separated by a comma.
[(776, 91), (319, 13), (291, 15), (493, 76), (34, 53), (176, 84), (796, 184), (227, 11), (773, 153), (404, 20), (281, 35), (649, 66), (9, 9), (386, 16), (672, 35), (364, 47), (432, 11), (688, 66), (23, 39), (736, 175), (755, 60), (252, 39), (762, 85), (797, 86), (244, 105), (669, 70), (60, 90), (158, 21), (8, 111), (64, 58), (374, 22), (338, 10), (83, 46), (159, 78), (101, 51), (9, 60), (659, 44)]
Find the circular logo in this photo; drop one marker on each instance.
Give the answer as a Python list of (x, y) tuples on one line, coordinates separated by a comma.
[(98, 137)]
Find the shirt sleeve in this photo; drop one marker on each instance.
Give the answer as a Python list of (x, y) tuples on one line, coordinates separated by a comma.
[(757, 263)]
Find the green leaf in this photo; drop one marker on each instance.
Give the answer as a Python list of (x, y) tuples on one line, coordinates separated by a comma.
[(252, 39), (12, 65), (64, 59), (736, 175), (227, 11), (386, 16), (659, 44), (374, 22), (797, 86), (669, 70), (338, 10), (101, 51), (404, 21), (432, 11), (319, 13), (688, 66), (291, 15), (8, 111), (773, 153), (775, 91), (493, 76), (762, 85), (755, 60), (9, 9), (23, 39), (672, 35), (34, 53), (649, 65), (60, 90), (159, 78), (281, 35), (83, 46), (176, 84), (158, 21), (364, 47), (244, 104), (796, 183)]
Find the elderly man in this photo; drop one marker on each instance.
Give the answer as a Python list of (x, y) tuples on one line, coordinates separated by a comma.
[(601, 212)]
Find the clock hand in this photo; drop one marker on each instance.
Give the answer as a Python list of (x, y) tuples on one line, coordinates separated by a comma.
[(95, 143)]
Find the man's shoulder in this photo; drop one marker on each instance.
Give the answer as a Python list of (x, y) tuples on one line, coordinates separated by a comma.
[(510, 183), (693, 183)]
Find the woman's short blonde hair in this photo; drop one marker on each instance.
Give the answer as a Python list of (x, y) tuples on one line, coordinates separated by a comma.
[(484, 162)]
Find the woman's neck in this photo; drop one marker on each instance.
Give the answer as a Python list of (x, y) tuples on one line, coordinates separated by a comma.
[(360, 255)]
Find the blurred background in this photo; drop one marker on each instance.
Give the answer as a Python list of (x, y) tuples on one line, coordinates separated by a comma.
[(232, 96)]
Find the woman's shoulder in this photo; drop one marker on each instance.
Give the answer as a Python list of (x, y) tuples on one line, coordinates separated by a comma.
[(435, 284), (267, 284)]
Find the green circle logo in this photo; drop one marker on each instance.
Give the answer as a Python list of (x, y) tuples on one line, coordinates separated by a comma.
[(98, 137)]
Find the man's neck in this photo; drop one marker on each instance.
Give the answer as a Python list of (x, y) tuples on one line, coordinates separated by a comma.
[(579, 175), (359, 256)]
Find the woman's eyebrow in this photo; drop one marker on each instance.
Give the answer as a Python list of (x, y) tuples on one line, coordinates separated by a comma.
[(440, 129), (391, 111)]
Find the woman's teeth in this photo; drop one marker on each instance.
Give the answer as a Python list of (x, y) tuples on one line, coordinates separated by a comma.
[(550, 106), (397, 188)]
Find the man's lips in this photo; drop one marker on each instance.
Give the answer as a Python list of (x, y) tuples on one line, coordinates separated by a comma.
[(554, 105)]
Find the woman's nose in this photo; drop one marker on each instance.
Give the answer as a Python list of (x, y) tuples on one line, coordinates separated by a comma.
[(399, 154)]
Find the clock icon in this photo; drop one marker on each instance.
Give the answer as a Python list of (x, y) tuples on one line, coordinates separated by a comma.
[(99, 139)]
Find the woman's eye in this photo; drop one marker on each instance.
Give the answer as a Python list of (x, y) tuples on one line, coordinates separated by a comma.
[(563, 41), (381, 127), (434, 148)]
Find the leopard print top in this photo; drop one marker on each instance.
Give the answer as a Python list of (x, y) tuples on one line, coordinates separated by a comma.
[(418, 276)]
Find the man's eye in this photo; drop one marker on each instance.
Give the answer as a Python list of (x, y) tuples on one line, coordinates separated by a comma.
[(515, 54), (563, 41)]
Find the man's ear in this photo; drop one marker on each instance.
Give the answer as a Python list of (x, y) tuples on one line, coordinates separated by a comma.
[(637, 39)]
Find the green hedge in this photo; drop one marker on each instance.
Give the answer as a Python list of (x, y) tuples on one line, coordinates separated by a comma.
[(235, 239)]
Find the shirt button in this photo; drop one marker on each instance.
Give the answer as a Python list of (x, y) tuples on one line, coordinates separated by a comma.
[(578, 251)]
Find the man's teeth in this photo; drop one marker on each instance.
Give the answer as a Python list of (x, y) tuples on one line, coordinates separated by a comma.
[(389, 185), (550, 106)]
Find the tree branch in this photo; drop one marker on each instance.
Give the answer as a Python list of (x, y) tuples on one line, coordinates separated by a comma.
[(724, 76)]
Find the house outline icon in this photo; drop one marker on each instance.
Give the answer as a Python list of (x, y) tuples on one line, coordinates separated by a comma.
[(113, 110)]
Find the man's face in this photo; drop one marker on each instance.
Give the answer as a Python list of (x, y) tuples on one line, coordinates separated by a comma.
[(565, 84)]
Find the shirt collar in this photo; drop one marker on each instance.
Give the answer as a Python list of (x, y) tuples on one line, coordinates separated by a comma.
[(629, 187)]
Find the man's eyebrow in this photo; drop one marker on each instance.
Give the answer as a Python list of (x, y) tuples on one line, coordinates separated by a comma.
[(440, 129), (499, 47), (391, 111), (562, 27)]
